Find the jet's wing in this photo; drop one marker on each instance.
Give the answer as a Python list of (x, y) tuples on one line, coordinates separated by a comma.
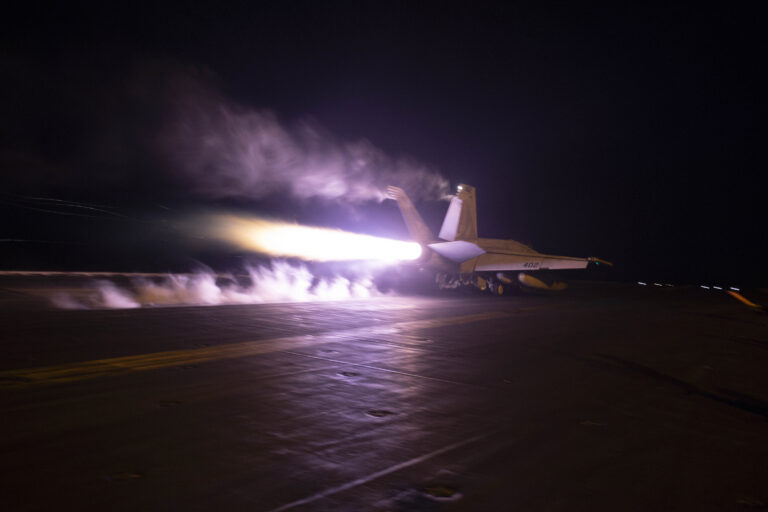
[(509, 262)]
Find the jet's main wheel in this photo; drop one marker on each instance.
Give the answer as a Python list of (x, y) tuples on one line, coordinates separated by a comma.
[(495, 288)]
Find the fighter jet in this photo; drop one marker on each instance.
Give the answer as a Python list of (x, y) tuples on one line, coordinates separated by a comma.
[(493, 265)]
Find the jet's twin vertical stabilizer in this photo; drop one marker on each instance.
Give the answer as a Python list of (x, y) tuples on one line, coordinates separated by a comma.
[(419, 230), (460, 221), (459, 226)]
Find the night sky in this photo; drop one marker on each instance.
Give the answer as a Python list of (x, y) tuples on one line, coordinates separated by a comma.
[(635, 135)]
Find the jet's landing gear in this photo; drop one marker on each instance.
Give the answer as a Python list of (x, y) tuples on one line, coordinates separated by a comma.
[(469, 281), (501, 284), (461, 281), (496, 288), (447, 281)]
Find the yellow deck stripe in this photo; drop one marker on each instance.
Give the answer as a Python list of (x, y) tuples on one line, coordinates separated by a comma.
[(143, 362), (738, 296)]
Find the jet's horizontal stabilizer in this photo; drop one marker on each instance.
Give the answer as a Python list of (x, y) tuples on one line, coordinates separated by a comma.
[(457, 251)]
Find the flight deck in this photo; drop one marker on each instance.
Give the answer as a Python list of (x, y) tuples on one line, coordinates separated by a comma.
[(606, 397)]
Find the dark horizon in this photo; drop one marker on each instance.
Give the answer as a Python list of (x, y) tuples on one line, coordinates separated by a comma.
[(631, 135)]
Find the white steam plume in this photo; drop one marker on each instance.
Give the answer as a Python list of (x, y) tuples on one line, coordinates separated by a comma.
[(230, 151), (280, 282)]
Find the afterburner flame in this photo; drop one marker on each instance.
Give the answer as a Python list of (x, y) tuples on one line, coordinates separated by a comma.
[(311, 243)]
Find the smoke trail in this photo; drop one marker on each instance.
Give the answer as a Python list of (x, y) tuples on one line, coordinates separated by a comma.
[(226, 150), (163, 125), (279, 282)]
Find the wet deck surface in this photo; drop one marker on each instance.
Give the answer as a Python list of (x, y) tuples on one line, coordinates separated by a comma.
[(613, 398)]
